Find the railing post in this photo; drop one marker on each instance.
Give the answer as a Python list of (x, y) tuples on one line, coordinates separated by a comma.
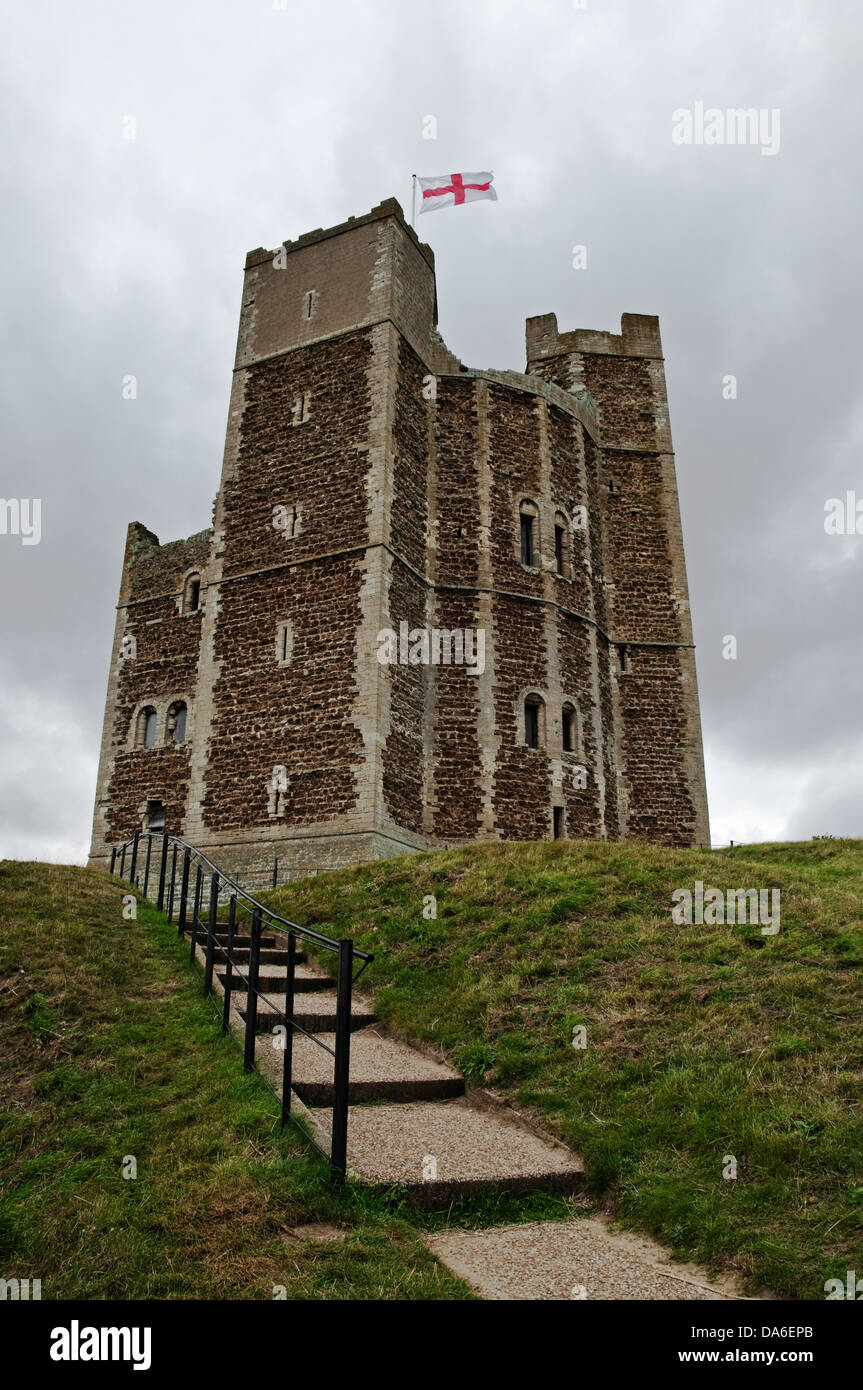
[(196, 907), (342, 1065), (211, 934), (135, 838), (160, 901), (113, 859), (147, 865), (226, 1011), (287, 1067), (184, 892), (172, 882), (123, 861), (252, 996)]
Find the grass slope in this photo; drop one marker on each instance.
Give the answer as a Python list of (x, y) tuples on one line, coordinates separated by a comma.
[(107, 1049), (702, 1041)]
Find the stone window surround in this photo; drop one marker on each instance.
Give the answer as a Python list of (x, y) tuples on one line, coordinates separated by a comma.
[(294, 512), (194, 572), (159, 794), (551, 728), (161, 706), (575, 752), (301, 409), (566, 567), (527, 507), (284, 626), (531, 693)]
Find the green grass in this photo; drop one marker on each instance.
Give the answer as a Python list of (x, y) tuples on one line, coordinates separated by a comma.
[(702, 1041), (108, 1050)]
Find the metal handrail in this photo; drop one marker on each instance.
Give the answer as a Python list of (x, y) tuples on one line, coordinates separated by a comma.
[(185, 855)]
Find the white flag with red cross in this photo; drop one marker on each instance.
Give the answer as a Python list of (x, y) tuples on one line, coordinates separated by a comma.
[(450, 190)]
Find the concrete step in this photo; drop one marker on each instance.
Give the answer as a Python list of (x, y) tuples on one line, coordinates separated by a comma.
[(315, 1012), (242, 954), (380, 1069), (242, 944), (440, 1151), (271, 981)]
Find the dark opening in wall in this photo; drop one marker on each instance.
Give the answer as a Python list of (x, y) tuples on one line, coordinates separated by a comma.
[(154, 820), (192, 595), (568, 728), (526, 539), (533, 721), (557, 813)]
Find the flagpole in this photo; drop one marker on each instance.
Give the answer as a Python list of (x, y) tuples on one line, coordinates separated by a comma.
[(414, 202)]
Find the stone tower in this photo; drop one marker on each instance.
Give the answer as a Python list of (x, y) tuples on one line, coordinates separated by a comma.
[(436, 605)]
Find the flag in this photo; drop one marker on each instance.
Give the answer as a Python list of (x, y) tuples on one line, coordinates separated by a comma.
[(448, 190)]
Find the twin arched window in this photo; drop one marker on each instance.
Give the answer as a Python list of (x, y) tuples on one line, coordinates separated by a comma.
[(147, 721), (535, 723)]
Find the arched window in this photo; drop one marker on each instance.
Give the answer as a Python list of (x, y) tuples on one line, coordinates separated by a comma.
[(534, 721), (569, 728), (528, 514), (145, 728), (175, 727), (192, 594)]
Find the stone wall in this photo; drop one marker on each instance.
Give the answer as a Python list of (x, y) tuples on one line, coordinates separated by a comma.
[(370, 480)]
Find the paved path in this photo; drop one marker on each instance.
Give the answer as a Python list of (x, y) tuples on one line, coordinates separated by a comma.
[(425, 1135), (576, 1260)]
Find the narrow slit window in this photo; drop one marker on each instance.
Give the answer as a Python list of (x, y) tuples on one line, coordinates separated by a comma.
[(526, 539), (558, 549), (568, 729), (308, 304), (557, 814), (284, 644), (192, 596), (533, 716), (623, 658)]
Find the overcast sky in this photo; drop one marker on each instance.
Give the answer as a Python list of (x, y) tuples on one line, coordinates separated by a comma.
[(255, 123)]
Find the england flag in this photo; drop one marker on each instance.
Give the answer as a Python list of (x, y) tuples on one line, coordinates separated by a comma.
[(450, 190)]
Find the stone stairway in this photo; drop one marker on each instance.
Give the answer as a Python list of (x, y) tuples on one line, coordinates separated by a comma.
[(410, 1122)]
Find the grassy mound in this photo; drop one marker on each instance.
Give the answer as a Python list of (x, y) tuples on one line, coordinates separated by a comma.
[(703, 1043), (109, 1053)]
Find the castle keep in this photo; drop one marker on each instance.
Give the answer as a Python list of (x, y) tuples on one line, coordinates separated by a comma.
[(371, 483)]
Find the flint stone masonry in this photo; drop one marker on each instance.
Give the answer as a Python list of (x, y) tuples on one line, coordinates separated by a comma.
[(371, 479)]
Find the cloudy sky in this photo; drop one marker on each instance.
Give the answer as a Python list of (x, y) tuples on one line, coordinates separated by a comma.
[(256, 121)]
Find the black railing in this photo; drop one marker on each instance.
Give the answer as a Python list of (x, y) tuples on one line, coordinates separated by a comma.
[(173, 859)]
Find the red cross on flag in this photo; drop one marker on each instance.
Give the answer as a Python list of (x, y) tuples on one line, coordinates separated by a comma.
[(449, 190)]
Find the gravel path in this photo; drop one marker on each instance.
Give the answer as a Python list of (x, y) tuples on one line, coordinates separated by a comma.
[(574, 1260)]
